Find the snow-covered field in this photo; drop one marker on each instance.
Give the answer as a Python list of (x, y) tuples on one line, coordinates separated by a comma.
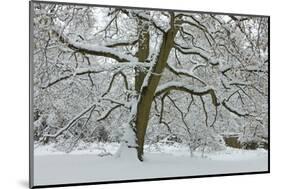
[(93, 164)]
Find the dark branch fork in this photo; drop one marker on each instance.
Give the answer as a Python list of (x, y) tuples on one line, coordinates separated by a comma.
[(192, 92), (181, 87)]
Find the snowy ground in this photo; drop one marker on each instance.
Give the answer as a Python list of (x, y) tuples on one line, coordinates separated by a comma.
[(85, 165)]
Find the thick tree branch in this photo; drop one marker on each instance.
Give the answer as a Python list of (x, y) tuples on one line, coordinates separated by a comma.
[(81, 72), (178, 86), (103, 117), (234, 111), (96, 50), (121, 43)]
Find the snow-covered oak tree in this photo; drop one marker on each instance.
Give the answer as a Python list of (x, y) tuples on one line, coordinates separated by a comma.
[(191, 75)]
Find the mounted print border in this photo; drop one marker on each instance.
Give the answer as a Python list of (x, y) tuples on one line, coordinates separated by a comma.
[(128, 94)]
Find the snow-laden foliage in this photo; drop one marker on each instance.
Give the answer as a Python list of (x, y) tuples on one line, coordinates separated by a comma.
[(165, 76)]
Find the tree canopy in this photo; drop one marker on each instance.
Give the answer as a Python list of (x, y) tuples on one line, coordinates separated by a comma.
[(103, 72)]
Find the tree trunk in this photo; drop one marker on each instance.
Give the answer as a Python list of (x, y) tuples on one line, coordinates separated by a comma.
[(147, 92), (143, 53)]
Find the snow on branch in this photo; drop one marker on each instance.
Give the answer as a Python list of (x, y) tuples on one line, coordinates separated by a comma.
[(184, 72), (78, 72), (196, 51), (179, 86), (108, 112), (90, 109), (95, 49), (83, 71), (112, 80), (140, 15), (123, 103), (72, 122), (119, 43)]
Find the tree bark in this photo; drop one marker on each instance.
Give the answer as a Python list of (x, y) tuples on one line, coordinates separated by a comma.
[(147, 92), (143, 53)]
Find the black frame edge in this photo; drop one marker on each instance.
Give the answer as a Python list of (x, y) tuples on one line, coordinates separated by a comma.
[(268, 95), (31, 142)]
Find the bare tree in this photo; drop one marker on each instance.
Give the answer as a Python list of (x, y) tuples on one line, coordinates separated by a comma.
[(134, 61)]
